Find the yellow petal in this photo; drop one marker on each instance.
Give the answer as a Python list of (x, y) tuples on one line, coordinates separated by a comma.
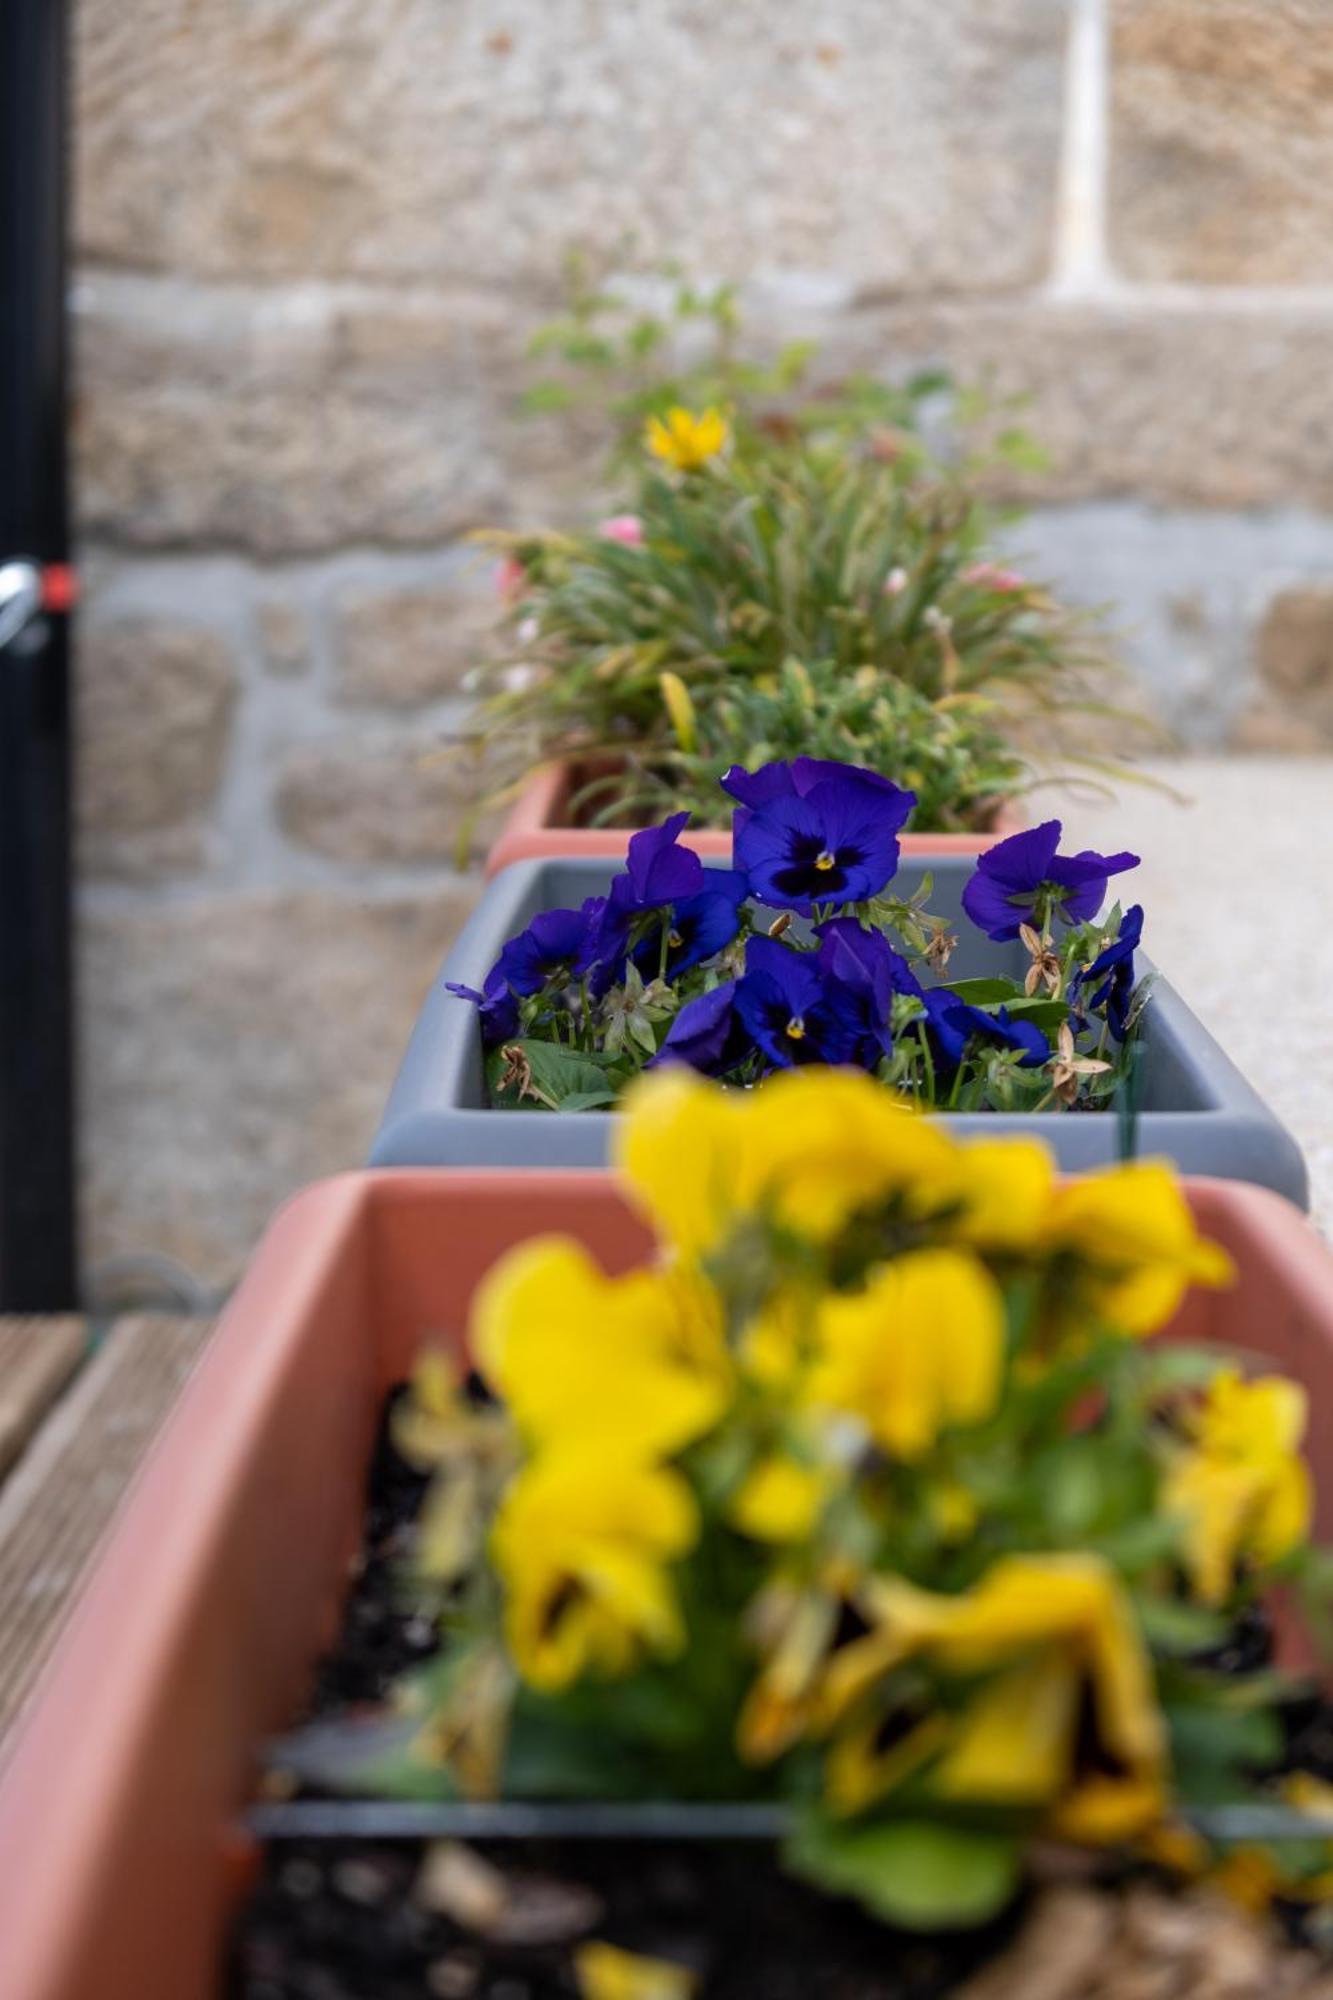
[(635, 1361), (1133, 1224), (1014, 1743), (677, 1149), (1007, 1188), (1105, 1811), (605, 1972), (680, 709), (922, 1347)]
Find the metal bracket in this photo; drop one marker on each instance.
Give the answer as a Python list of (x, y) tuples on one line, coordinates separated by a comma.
[(30, 589), (20, 598)]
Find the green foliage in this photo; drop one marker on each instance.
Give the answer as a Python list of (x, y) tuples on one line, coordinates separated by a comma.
[(818, 586)]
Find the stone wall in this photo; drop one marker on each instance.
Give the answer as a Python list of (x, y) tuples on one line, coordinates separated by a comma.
[(313, 237)]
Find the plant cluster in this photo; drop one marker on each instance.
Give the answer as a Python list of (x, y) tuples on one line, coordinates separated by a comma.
[(870, 1497), (791, 571), (800, 953)]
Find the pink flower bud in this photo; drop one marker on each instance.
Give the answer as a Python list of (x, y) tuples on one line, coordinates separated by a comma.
[(626, 528), (990, 576), (511, 579)]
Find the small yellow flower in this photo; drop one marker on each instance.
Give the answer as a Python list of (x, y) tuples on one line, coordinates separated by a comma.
[(1242, 1487), (605, 1972), (1132, 1229), (637, 1363), (582, 1544), (922, 1347), (1056, 1637), (781, 1500), (684, 440), (680, 709)]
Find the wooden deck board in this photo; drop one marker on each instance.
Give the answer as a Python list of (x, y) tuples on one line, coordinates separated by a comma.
[(37, 1358), (61, 1496)]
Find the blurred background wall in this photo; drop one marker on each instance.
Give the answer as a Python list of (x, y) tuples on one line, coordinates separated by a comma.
[(313, 238)]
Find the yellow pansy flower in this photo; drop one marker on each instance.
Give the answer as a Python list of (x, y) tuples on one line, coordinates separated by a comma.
[(638, 1363), (922, 1347), (1055, 1634), (812, 1148), (684, 440), (1242, 1487), (781, 1499), (1133, 1231), (605, 1972), (582, 1545)]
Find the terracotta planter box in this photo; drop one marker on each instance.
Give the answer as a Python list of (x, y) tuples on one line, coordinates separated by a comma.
[(1197, 1108), (119, 1862), (537, 829)]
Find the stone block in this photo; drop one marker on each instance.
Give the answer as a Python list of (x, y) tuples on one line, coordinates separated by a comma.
[(282, 423), (235, 1048), (391, 804), (906, 146), (1222, 141), (1292, 707), (155, 699), (399, 647)]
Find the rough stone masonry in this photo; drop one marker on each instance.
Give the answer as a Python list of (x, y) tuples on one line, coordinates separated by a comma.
[(312, 239)]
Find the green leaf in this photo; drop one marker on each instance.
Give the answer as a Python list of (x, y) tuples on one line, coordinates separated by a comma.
[(982, 992), (1215, 1750), (556, 1076), (1044, 1014), (921, 1874), (588, 1100)]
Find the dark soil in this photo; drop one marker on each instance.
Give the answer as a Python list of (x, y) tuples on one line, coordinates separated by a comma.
[(382, 1634), (340, 1921)]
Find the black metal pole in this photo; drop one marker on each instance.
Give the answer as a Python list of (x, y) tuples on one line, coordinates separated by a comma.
[(37, 1174)]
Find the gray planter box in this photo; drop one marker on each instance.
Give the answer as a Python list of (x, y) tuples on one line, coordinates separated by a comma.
[(1196, 1108)]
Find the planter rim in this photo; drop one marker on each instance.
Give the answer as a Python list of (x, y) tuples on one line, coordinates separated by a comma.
[(112, 1665), (532, 829)]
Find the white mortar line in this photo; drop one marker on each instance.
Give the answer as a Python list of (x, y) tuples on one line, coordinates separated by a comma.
[(1080, 266)]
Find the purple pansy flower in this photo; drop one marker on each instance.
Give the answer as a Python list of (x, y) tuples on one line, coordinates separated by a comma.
[(1014, 875), (835, 842), (657, 872), (953, 1023), (795, 1012), (870, 972), (495, 1004), (555, 941), (700, 926), (1115, 968), (707, 1034)]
